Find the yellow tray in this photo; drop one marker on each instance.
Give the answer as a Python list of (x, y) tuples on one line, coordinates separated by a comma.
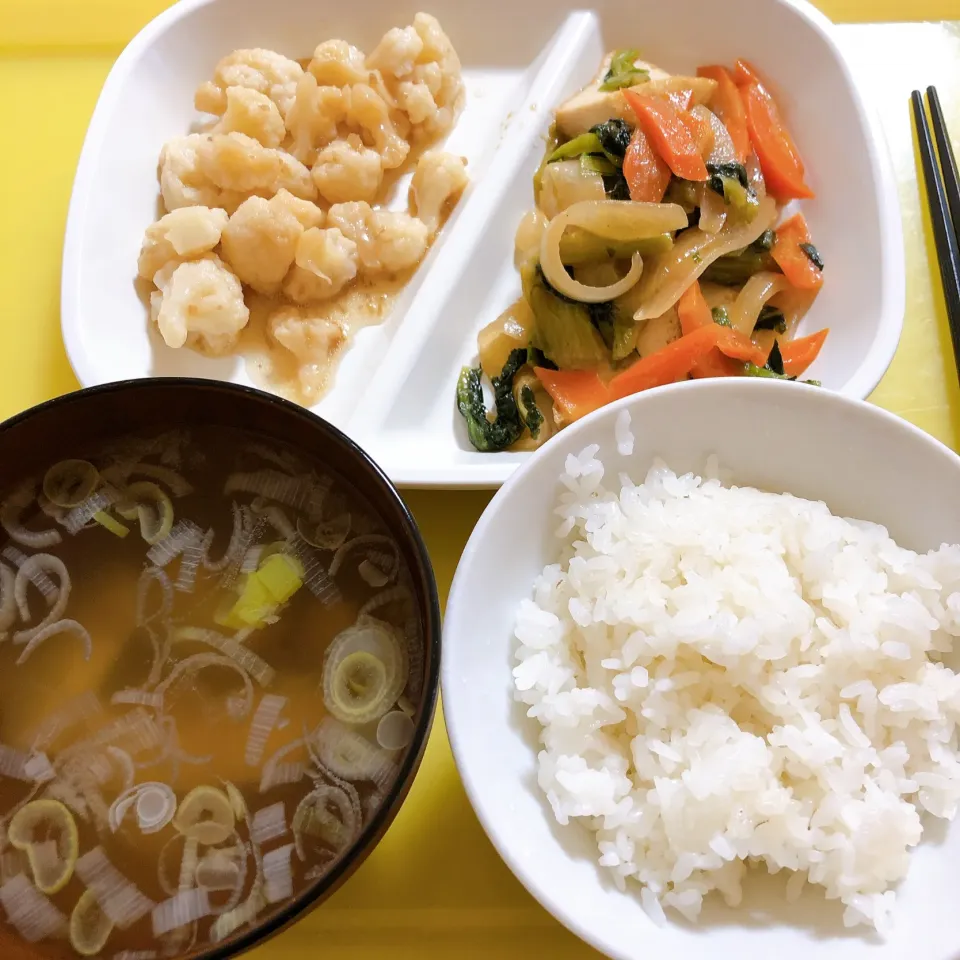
[(434, 887)]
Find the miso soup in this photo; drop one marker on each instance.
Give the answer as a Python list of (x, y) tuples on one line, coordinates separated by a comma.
[(210, 666)]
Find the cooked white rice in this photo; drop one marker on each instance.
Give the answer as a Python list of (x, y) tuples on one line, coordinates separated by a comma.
[(725, 675)]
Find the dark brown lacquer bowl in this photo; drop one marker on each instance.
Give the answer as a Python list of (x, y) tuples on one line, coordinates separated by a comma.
[(70, 425)]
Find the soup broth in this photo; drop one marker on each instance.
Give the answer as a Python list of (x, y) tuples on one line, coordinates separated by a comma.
[(210, 669)]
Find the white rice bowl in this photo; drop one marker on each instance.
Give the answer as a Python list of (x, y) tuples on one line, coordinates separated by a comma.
[(725, 676)]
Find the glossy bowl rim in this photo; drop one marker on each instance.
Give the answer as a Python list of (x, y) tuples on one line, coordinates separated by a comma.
[(317, 892)]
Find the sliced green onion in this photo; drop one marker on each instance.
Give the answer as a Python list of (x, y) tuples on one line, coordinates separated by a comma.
[(111, 524), (357, 688), (585, 143), (205, 815), (148, 502), (365, 671), (90, 927), (37, 822), (327, 534), (623, 72), (631, 79), (70, 482), (395, 730), (236, 800)]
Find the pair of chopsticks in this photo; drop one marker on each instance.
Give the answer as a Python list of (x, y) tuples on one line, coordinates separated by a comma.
[(943, 196)]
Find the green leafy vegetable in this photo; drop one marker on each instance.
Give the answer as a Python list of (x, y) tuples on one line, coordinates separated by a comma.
[(616, 187), (539, 359), (614, 136), (813, 254), (591, 163), (585, 143), (721, 316), (735, 269), (529, 411), (775, 360), (683, 193), (771, 319), (774, 368), (579, 246), (614, 321), (764, 243), (752, 370), (726, 171), (602, 317), (623, 73), (485, 434), (563, 329), (696, 257), (731, 182)]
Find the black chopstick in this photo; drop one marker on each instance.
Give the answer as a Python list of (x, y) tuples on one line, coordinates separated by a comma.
[(948, 162), (939, 186)]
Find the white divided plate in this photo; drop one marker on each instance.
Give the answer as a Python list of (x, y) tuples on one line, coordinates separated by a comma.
[(394, 391)]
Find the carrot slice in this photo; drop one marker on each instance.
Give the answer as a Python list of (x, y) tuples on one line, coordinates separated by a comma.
[(675, 361), (692, 309), (778, 155), (797, 267), (727, 104), (575, 393), (694, 313), (799, 354), (739, 346), (646, 174), (662, 123), (745, 72)]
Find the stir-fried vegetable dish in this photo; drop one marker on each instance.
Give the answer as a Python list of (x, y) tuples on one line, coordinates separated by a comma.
[(211, 663), (658, 250)]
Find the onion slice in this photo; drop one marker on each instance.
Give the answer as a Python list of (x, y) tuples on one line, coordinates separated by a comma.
[(155, 804), (246, 659), (61, 626), (328, 813), (10, 512), (8, 601), (278, 874), (556, 273), (690, 255), (268, 823), (240, 916), (755, 293), (146, 502), (204, 661), (350, 755), (300, 493), (31, 913), (120, 899), (261, 726), (326, 534), (180, 910), (316, 576), (41, 565), (34, 574)]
